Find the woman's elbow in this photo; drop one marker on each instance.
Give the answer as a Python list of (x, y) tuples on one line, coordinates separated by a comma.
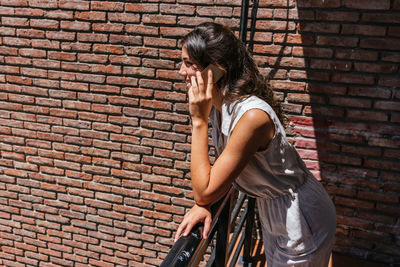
[(208, 198), (203, 199)]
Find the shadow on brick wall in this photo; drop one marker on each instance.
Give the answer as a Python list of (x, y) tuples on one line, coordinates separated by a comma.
[(346, 96), (335, 66)]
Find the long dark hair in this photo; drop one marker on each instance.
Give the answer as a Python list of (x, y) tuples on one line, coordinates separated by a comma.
[(214, 43)]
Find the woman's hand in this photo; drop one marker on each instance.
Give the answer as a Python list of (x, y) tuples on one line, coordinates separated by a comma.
[(195, 215), (200, 97)]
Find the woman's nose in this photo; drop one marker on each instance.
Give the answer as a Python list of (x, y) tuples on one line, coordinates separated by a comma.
[(182, 70)]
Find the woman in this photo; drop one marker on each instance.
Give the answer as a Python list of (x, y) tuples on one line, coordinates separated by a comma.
[(297, 216)]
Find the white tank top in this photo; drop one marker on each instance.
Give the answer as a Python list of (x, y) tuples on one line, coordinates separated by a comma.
[(270, 173)]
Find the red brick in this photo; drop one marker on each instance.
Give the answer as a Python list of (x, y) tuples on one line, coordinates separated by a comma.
[(157, 161), (90, 15), (32, 33), (291, 108), (292, 38), (156, 105), (392, 153), (88, 116), (333, 15), (15, 70), (177, 9), (320, 4), (288, 14), (142, 29), (354, 203), (330, 65), (375, 68), (158, 19), (370, 92), (68, 46), (6, 10), (387, 105), (137, 168), (262, 37), (79, 5), (285, 85), (75, 25), (107, 6), (390, 209), (275, 3), (214, 11), (23, 61), (394, 31), (163, 188), (166, 171), (349, 192), (370, 30), (108, 48), (12, 155), (12, 21), (345, 242), (154, 63), (368, 151), (11, 250), (380, 197), (337, 41), (350, 102), (141, 8), (325, 88), (316, 27), (353, 78), (159, 42), (143, 252), (125, 39), (271, 49), (382, 164), (389, 80), (374, 4), (275, 25), (308, 154), (44, 23), (287, 62), (380, 43), (335, 158), (367, 115), (312, 52), (192, 21), (14, 51), (396, 5), (92, 58), (384, 129), (156, 197)]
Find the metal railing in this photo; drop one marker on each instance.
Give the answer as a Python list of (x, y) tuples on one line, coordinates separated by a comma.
[(189, 250)]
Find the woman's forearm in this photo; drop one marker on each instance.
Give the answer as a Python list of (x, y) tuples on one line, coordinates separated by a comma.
[(200, 162)]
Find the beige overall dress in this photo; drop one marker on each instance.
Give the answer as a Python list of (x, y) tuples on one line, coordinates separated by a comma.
[(297, 216)]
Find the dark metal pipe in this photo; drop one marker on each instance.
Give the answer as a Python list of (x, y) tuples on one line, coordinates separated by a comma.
[(243, 21), (253, 24), (248, 231), (238, 229)]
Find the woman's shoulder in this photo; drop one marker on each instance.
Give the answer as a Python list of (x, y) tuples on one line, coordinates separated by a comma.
[(232, 112), (240, 106), (256, 101)]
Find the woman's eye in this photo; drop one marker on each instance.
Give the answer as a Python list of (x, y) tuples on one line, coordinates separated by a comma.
[(188, 64)]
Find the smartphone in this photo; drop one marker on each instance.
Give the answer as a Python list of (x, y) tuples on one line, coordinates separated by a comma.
[(218, 73)]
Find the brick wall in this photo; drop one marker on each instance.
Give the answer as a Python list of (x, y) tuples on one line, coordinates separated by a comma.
[(94, 132)]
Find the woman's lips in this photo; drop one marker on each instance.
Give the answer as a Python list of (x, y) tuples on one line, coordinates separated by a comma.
[(188, 83)]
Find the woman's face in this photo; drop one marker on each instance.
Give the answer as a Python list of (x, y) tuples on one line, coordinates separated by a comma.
[(188, 67)]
